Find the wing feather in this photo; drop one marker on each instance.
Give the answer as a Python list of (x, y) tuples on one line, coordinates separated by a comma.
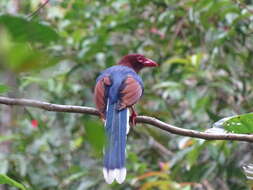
[(100, 93), (130, 93)]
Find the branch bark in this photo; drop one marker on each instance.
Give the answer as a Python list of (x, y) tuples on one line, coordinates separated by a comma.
[(39, 8), (140, 119)]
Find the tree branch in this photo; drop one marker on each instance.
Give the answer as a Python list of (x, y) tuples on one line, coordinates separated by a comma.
[(37, 10), (140, 119)]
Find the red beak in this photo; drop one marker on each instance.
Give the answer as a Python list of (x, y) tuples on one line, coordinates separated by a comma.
[(150, 63)]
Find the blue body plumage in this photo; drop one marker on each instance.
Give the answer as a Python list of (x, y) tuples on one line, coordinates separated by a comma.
[(117, 89), (117, 76), (117, 122)]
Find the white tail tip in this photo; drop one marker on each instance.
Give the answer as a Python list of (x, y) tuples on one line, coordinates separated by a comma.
[(120, 175), (111, 174)]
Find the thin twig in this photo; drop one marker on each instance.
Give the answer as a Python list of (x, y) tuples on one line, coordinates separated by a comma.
[(38, 9), (178, 29), (140, 119)]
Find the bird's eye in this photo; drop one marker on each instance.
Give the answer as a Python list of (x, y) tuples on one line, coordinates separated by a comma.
[(140, 59)]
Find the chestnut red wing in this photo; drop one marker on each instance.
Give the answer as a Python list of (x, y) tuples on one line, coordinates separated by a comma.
[(100, 93), (131, 92)]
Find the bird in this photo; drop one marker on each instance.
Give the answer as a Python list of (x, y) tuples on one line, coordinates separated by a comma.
[(117, 89)]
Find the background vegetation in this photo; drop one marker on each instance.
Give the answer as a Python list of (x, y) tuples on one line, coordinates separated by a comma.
[(205, 51)]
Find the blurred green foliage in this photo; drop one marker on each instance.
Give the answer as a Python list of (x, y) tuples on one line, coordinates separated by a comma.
[(248, 169), (6, 180), (3, 88), (24, 30), (205, 51)]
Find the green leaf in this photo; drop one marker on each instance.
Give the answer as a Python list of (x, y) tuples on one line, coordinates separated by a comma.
[(95, 134), (4, 138), (23, 30), (3, 88), (74, 177), (21, 58), (4, 179), (178, 60), (237, 124)]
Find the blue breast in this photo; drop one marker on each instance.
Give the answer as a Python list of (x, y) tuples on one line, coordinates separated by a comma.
[(117, 76)]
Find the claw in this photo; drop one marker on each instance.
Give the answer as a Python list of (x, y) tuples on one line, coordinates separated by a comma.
[(133, 117), (102, 117)]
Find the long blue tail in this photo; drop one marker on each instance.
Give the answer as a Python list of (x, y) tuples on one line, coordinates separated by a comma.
[(116, 129)]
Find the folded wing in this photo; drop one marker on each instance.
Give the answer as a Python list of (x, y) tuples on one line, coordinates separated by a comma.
[(130, 93)]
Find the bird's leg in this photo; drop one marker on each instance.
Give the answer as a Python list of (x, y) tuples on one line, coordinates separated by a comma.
[(133, 116), (102, 116)]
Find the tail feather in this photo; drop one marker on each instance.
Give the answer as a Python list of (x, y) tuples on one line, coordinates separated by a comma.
[(116, 129)]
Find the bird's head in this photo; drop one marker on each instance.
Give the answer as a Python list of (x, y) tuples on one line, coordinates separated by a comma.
[(137, 62)]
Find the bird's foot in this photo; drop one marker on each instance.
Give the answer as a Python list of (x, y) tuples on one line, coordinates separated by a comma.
[(133, 117), (102, 117)]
